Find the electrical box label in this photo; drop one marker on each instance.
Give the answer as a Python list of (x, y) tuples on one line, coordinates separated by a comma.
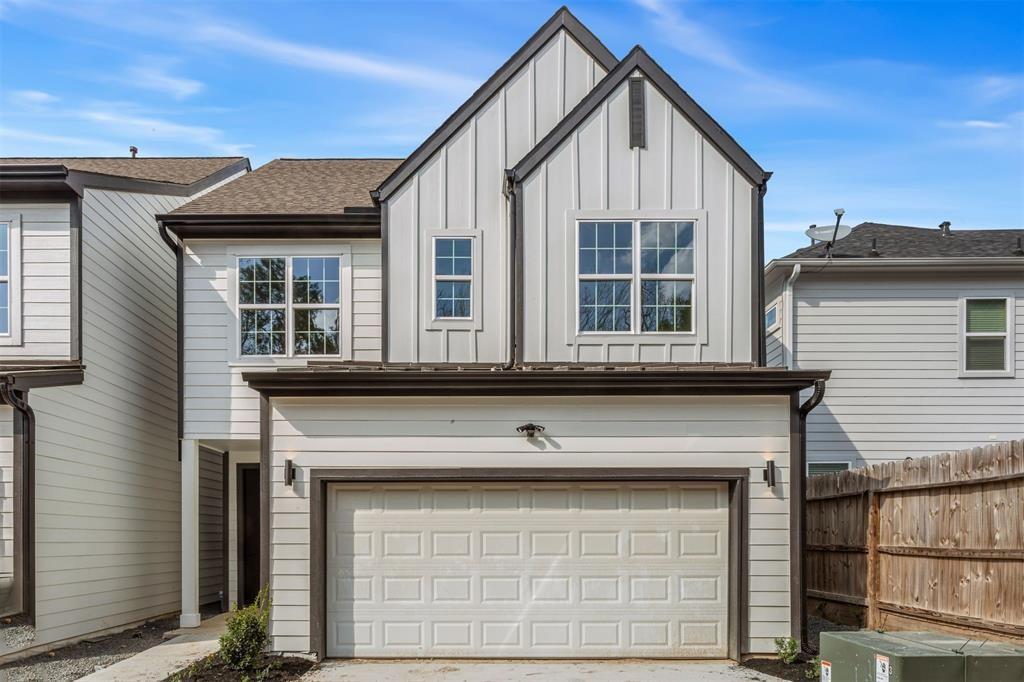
[(826, 671), (881, 668)]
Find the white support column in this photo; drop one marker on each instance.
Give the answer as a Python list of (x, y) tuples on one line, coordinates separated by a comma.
[(189, 534)]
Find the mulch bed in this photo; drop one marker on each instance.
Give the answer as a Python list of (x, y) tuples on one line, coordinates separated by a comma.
[(773, 666), (212, 669)]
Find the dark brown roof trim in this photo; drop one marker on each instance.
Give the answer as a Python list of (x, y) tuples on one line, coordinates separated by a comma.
[(493, 381), (563, 18), (639, 59), (57, 178), (354, 224), (26, 377)]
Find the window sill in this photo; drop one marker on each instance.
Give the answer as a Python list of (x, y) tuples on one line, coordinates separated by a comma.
[(280, 361), (1002, 374)]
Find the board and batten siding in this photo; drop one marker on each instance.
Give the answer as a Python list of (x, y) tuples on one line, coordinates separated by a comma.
[(892, 343), (45, 281), (461, 188), (218, 404), (107, 475), (583, 432), (679, 174)]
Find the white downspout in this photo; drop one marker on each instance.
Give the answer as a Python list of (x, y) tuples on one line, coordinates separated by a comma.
[(189, 534), (789, 322)]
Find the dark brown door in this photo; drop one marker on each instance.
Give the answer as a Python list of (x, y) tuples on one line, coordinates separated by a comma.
[(250, 533)]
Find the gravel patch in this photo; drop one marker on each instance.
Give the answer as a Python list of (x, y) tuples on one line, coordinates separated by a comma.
[(15, 633), (88, 656)]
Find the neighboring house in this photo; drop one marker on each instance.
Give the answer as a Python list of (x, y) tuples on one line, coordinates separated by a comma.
[(505, 397), (91, 503), (923, 330)]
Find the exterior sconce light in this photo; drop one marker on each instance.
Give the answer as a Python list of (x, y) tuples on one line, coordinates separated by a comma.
[(530, 429), (289, 472), (769, 473)]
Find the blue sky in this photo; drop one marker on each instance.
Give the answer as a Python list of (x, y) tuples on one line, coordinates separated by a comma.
[(904, 112)]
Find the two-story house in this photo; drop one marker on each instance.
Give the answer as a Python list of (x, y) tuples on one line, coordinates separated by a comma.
[(923, 330), (91, 501), (505, 397)]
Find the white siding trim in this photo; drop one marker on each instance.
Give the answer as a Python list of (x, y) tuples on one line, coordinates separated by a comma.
[(14, 289)]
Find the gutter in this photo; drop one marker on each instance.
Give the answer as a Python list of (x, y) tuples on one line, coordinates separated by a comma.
[(179, 296), (511, 195), (789, 323), (841, 263)]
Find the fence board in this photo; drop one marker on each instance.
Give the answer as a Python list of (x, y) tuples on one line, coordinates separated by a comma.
[(934, 541)]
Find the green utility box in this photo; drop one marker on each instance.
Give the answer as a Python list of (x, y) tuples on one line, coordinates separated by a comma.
[(869, 656)]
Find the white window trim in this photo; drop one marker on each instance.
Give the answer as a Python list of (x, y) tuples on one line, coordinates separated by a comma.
[(1008, 347), (778, 317), (699, 277), (829, 461), (428, 305), (14, 290), (277, 250)]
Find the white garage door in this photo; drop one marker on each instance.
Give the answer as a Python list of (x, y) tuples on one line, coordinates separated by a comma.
[(489, 570)]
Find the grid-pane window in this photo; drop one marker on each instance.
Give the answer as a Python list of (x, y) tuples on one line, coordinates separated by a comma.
[(821, 468), (5, 278), (629, 269), (453, 278), (289, 305), (985, 335)]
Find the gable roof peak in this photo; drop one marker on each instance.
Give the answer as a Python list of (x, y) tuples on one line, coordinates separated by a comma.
[(561, 19)]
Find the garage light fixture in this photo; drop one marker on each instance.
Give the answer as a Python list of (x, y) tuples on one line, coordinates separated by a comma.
[(530, 429), (769, 473), (289, 472)]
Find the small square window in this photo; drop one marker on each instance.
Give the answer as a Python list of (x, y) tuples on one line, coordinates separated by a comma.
[(771, 317), (453, 278), (605, 305)]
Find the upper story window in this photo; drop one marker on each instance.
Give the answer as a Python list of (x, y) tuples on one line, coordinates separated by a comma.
[(822, 468), (289, 306), (636, 275), (10, 280), (453, 278), (771, 317), (986, 327)]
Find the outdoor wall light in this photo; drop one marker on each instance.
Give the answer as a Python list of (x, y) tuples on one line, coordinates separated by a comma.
[(530, 429), (769, 473), (289, 472)]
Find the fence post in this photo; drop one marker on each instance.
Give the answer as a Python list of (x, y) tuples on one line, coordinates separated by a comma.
[(873, 577)]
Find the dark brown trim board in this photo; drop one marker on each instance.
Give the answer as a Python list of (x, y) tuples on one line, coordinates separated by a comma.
[(384, 307), (797, 509), (360, 224), (24, 448), (737, 478), (240, 530), (759, 350), (76, 278), (266, 488), (225, 493), (562, 18), (402, 380)]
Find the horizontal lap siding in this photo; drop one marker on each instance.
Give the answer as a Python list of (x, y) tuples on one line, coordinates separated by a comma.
[(581, 432), (595, 169), (46, 281), (892, 345), (460, 188), (218, 404), (108, 480)]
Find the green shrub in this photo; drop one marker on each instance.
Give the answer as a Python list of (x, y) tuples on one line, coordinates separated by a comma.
[(787, 649), (241, 647), (813, 671)]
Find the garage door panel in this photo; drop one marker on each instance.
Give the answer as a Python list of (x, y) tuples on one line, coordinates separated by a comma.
[(538, 570)]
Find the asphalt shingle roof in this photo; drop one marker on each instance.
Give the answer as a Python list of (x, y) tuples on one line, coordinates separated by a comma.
[(297, 186), (901, 241), (175, 170)]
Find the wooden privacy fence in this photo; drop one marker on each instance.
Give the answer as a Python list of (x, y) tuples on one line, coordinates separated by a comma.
[(929, 543)]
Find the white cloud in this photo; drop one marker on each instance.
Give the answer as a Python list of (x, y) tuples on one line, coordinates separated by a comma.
[(987, 125), (992, 88), (21, 142), (157, 79), (143, 127), (32, 98)]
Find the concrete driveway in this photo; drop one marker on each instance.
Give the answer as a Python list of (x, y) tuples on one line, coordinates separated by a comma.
[(540, 671)]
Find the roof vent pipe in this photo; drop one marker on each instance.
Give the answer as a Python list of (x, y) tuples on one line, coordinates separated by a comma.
[(944, 226), (134, 150), (1019, 251), (874, 248)]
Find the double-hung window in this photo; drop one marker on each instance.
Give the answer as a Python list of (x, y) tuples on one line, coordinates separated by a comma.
[(5, 279), (453, 278), (289, 306), (635, 276), (986, 333)]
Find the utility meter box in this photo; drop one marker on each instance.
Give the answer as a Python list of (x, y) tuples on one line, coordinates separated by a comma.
[(984, 660), (869, 656)]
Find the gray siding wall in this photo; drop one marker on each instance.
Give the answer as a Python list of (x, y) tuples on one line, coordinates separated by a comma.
[(372, 432), (211, 526), (460, 188), (45, 280), (891, 342), (6, 499), (679, 174), (218, 404), (107, 474)]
